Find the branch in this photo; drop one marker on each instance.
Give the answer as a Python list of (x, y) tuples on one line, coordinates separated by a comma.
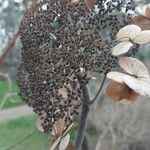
[(8, 48), (99, 91), (12, 43), (86, 102), (82, 126), (83, 117)]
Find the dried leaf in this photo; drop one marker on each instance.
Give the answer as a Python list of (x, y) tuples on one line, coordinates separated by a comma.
[(66, 131), (132, 96), (55, 143), (142, 22), (121, 92), (117, 91), (59, 126), (64, 142)]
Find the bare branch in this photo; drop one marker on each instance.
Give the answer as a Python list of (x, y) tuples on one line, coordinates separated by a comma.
[(84, 115), (8, 48)]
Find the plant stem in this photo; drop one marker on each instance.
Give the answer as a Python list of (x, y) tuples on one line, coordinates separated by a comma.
[(83, 118), (99, 91), (85, 144), (86, 102)]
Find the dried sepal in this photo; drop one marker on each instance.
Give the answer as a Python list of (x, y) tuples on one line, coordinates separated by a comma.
[(62, 139), (55, 143), (121, 92), (116, 91), (133, 82), (64, 142), (128, 36)]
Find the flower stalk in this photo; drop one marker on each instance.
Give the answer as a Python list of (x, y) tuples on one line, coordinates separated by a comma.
[(83, 117), (86, 103)]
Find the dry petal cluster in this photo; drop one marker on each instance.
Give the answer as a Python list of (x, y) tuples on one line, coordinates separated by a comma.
[(60, 38), (133, 81), (128, 36)]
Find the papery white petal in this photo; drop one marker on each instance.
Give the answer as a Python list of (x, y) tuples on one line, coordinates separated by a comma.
[(145, 84), (143, 38), (54, 145), (121, 48), (128, 32), (116, 76), (133, 66), (133, 83), (64, 142)]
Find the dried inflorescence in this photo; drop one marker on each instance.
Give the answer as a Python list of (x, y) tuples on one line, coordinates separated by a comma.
[(59, 38)]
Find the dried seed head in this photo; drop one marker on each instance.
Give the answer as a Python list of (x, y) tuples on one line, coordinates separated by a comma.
[(59, 37)]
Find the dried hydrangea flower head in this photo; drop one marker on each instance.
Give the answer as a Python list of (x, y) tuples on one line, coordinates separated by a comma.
[(133, 82), (129, 35), (59, 38)]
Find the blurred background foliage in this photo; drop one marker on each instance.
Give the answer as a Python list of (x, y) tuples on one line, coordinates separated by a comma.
[(110, 125)]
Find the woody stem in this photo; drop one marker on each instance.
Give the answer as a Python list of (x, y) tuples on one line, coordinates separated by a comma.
[(86, 102), (83, 117)]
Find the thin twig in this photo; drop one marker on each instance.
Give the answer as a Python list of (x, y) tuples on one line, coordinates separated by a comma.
[(20, 140), (99, 91)]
